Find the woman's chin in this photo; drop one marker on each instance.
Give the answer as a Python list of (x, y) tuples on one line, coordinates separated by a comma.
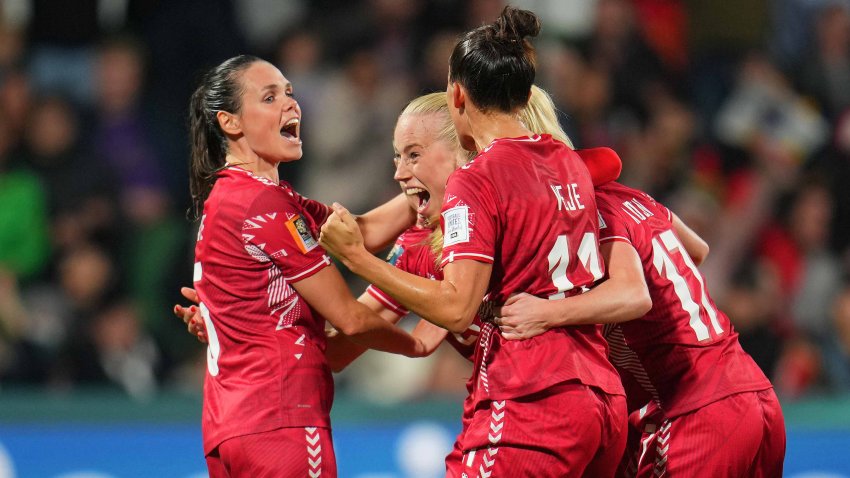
[(291, 156)]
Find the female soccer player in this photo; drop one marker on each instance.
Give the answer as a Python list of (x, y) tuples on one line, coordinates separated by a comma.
[(711, 411), (264, 285), (520, 217), (427, 152)]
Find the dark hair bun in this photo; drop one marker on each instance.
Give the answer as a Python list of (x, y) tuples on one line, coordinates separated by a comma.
[(515, 24)]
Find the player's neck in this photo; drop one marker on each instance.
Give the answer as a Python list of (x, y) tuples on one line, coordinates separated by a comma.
[(256, 166), (487, 127)]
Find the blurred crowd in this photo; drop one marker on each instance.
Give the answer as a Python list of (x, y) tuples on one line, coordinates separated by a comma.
[(734, 114)]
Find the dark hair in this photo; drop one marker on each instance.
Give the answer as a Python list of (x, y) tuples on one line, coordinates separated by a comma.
[(496, 63), (220, 90)]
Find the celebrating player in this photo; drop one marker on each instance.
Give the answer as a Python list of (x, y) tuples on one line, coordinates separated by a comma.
[(520, 217), (264, 284), (427, 152), (711, 409)]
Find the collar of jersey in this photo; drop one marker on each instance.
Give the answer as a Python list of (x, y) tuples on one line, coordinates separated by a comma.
[(233, 167), (522, 139)]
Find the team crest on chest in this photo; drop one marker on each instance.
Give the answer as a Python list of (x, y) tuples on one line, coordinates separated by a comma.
[(304, 239)]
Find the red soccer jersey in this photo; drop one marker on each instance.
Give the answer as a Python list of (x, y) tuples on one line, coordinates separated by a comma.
[(527, 206), (687, 348), (412, 253), (266, 367), (408, 241)]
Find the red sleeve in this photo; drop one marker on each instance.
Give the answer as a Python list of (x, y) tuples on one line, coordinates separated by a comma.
[(318, 211), (279, 230), (612, 227), (399, 258), (469, 218), (667, 213)]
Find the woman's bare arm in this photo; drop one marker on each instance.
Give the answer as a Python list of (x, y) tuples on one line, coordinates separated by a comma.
[(381, 226), (328, 294), (622, 297)]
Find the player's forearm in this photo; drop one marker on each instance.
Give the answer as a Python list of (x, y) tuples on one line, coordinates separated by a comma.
[(368, 330), (430, 335), (382, 225), (340, 352), (439, 302), (612, 301), (696, 247)]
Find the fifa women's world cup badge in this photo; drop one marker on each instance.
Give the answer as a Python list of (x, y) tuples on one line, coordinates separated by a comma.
[(395, 254), (301, 233)]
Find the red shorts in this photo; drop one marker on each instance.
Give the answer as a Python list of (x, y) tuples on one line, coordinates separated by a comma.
[(571, 430), (454, 461), (742, 435), (307, 452)]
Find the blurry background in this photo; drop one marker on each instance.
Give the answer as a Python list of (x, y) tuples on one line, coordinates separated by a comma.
[(734, 114)]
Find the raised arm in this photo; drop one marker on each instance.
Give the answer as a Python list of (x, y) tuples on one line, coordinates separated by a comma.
[(450, 303), (382, 225), (697, 248), (328, 294), (379, 227), (621, 297)]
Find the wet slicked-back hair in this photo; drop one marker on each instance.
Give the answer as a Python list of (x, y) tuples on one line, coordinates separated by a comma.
[(539, 116), (435, 103), (220, 90), (496, 62)]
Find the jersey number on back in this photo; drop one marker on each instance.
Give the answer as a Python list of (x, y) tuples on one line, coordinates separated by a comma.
[(214, 348), (662, 247), (559, 261)]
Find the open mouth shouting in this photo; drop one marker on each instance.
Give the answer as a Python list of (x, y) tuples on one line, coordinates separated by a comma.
[(291, 130), (423, 195)]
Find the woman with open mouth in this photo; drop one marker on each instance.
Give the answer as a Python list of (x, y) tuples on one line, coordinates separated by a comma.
[(265, 286), (520, 217), (427, 151)]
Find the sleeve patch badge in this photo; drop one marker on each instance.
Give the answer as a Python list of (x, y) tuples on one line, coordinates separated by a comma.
[(395, 254), (304, 239), (456, 225)]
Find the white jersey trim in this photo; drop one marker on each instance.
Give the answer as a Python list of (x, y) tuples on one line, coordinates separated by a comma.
[(326, 261), (378, 295), (453, 256), (614, 238)]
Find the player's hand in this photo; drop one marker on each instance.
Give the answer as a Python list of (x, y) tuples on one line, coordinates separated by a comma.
[(191, 315), (341, 235), (523, 316)]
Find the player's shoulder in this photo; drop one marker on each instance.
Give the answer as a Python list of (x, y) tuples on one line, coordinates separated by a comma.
[(475, 174), (609, 194), (612, 199), (271, 197), (617, 192), (414, 235)]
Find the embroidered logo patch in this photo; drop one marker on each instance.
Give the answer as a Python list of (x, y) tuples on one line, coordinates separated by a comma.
[(301, 233), (456, 225), (602, 224)]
